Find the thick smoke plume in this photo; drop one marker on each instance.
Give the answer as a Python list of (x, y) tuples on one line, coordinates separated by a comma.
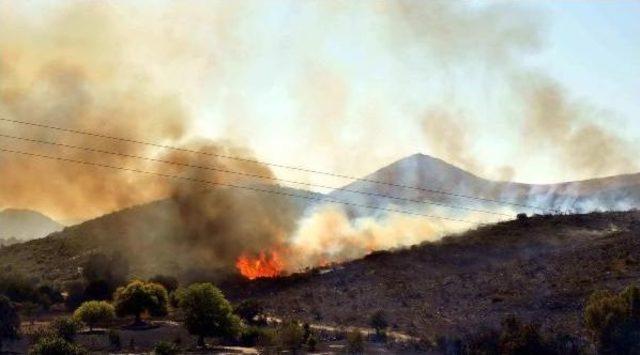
[(67, 73), (77, 70)]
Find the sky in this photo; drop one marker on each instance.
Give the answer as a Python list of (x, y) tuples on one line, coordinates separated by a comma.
[(348, 87)]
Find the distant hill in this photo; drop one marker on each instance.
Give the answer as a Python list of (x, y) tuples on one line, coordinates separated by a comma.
[(426, 175), (158, 236), (25, 225), (161, 237)]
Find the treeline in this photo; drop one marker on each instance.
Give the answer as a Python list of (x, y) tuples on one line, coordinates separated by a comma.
[(612, 322)]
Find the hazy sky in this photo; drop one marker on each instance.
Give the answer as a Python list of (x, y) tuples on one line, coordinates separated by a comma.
[(350, 86)]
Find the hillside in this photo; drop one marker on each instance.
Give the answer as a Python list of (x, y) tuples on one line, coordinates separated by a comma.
[(194, 238), (427, 174), (541, 269), (25, 225)]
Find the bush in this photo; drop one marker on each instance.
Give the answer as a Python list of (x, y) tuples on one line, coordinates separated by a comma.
[(614, 320), (170, 283), (378, 321), (114, 339), (9, 320), (93, 313), (290, 335), (55, 346), (208, 313), (47, 296), (355, 342), (65, 328), (138, 297), (250, 311), (518, 338), (257, 336), (17, 288), (166, 348)]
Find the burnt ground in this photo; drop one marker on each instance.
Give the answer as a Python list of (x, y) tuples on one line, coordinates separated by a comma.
[(541, 269)]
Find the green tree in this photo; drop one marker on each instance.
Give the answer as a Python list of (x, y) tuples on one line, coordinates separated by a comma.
[(94, 312), (138, 297), (614, 320), (53, 345), (9, 320), (208, 313)]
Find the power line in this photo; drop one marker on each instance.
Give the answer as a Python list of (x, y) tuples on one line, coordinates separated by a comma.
[(254, 161), (168, 162), (251, 188)]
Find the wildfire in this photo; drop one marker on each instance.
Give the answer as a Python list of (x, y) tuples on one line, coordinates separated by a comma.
[(264, 265)]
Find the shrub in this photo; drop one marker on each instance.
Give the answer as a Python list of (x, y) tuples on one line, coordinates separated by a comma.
[(166, 348), (47, 296), (355, 342), (207, 313), (55, 346), (93, 313), (250, 311), (378, 321), (614, 320), (114, 339), (312, 343), (65, 328), (170, 283), (257, 336), (138, 297), (17, 288), (518, 338), (290, 335), (9, 320)]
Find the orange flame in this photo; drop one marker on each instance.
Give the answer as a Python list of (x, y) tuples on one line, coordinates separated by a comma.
[(265, 265)]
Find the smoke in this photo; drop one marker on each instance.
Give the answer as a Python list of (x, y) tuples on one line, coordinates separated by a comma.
[(554, 122), (447, 138), (68, 72), (327, 234), (92, 67)]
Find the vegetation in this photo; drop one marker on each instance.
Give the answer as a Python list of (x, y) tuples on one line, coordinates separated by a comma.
[(9, 320), (518, 338), (290, 335), (257, 336), (250, 311), (614, 321), (378, 321), (93, 313), (138, 297), (22, 290), (207, 313), (355, 342), (65, 328), (53, 345), (166, 348)]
